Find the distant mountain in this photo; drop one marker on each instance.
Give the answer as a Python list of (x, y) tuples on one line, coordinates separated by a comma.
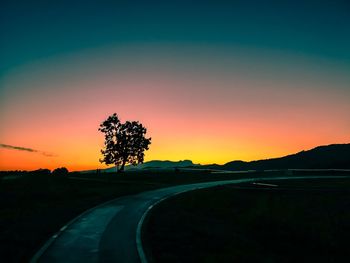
[(162, 164), (322, 157), (156, 164), (334, 156)]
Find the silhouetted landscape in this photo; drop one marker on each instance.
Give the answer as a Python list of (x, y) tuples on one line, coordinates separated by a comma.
[(174, 131), (41, 198), (334, 156)]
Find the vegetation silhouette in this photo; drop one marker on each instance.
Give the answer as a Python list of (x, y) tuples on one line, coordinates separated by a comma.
[(125, 143), (41, 171), (63, 171)]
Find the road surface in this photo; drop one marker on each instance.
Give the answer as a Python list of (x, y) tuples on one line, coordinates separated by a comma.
[(111, 231)]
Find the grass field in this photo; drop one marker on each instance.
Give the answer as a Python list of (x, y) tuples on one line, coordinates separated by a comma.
[(33, 207), (305, 221)]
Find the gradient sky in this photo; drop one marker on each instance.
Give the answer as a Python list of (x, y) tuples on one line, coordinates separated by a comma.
[(213, 81)]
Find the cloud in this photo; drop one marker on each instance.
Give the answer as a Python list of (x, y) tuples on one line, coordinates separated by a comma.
[(19, 148)]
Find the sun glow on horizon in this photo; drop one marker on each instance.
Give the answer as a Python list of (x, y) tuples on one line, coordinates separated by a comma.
[(231, 109)]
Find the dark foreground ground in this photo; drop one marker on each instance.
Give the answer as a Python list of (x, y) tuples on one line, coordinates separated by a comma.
[(33, 207), (298, 221)]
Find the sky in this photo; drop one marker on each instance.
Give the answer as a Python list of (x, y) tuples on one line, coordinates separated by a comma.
[(212, 81)]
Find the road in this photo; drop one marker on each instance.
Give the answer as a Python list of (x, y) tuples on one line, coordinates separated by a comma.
[(111, 231)]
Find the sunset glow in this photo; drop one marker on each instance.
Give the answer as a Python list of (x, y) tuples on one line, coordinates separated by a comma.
[(209, 102)]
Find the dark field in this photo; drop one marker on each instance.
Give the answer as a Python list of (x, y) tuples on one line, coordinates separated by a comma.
[(33, 207), (299, 221)]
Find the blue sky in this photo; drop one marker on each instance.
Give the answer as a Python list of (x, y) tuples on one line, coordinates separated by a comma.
[(272, 77), (32, 30)]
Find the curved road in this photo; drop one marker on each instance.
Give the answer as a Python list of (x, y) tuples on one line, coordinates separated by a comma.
[(110, 232)]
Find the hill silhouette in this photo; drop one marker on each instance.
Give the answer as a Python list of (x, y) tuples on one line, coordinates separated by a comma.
[(335, 156), (163, 164), (155, 164)]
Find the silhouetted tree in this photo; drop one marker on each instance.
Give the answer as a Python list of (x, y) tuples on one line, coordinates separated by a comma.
[(125, 143), (41, 172), (60, 171)]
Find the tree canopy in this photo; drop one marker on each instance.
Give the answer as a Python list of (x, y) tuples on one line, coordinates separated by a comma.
[(125, 143), (60, 171)]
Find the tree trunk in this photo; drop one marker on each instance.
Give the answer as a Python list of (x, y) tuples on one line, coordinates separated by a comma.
[(122, 167)]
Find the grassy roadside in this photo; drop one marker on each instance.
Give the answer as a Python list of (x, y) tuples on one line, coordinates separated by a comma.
[(33, 208), (228, 224)]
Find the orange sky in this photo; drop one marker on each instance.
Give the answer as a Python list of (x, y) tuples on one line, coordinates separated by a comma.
[(212, 108)]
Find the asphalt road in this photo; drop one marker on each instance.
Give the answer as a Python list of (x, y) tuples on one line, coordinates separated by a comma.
[(110, 232)]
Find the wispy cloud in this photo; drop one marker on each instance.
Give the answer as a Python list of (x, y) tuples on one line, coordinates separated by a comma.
[(19, 148)]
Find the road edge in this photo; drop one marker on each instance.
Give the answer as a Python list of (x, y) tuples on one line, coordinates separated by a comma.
[(53, 238), (139, 245)]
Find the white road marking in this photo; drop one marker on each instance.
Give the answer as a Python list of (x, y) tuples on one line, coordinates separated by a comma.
[(263, 184)]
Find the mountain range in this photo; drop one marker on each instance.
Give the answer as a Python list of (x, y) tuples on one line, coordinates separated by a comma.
[(334, 156), (157, 164)]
